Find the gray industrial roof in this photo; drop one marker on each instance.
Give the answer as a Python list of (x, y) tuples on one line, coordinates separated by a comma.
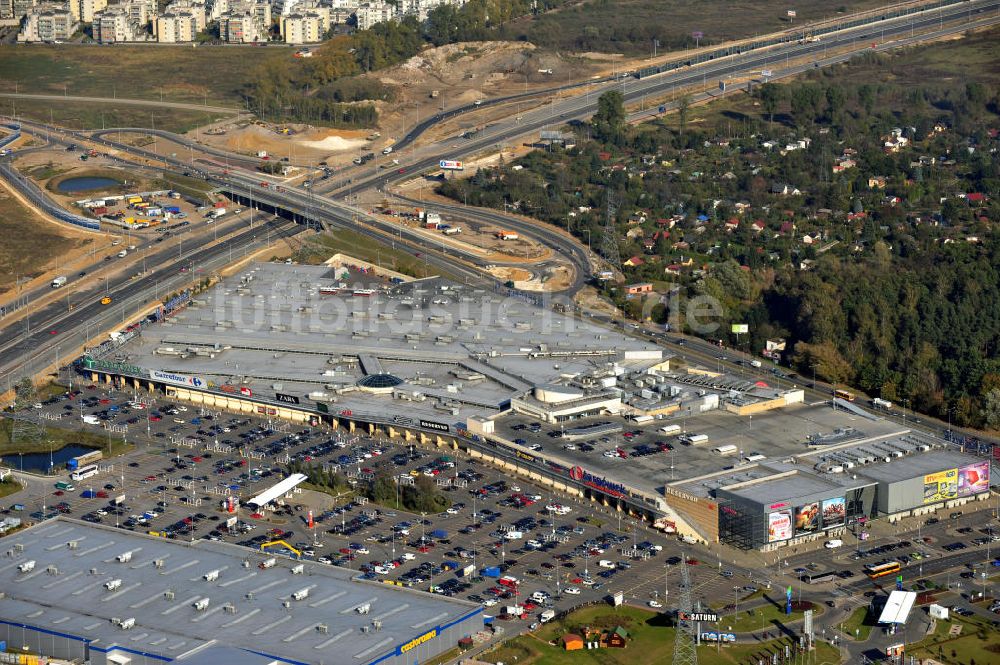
[(918, 465), (453, 349), (786, 488), (67, 591)]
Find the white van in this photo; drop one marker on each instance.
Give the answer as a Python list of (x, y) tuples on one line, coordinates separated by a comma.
[(833, 544), (604, 563)]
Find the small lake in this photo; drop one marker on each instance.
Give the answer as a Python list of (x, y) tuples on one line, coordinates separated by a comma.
[(86, 183), (39, 462)]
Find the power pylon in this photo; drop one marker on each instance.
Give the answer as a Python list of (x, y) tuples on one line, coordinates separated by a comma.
[(26, 428), (609, 243), (685, 647)]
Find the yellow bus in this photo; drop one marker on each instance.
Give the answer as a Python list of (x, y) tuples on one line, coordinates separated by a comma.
[(876, 570), (843, 394)]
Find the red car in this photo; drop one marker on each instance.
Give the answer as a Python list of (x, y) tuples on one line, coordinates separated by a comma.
[(58, 493)]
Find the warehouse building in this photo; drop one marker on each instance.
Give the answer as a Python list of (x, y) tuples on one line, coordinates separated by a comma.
[(789, 502), (90, 593)]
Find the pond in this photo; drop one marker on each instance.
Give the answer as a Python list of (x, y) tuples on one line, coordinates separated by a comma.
[(39, 462), (86, 183)]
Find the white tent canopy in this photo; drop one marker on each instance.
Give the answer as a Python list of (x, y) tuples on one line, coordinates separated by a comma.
[(897, 608), (275, 491)]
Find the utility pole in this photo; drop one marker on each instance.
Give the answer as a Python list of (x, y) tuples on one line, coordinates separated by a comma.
[(685, 650)]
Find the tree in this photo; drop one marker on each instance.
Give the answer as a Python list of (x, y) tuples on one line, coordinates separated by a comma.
[(609, 121), (683, 106), (771, 96), (991, 409)]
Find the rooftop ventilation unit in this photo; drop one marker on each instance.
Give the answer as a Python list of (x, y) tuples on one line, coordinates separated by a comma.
[(124, 557), (200, 605), (322, 628), (298, 570), (301, 594), (18, 547), (52, 570), (286, 604), (73, 544), (158, 563), (364, 609), (93, 571), (26, 567), (111, 585), (229, 608), (168, 595), (211, 576), (127, 624)]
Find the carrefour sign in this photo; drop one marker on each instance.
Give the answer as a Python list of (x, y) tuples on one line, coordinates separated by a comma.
[(177, 379), (417, 641)]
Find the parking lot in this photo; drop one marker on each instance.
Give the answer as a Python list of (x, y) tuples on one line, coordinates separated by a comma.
[(495, 530)]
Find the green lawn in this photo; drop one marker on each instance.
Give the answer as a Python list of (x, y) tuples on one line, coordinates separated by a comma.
[(651, 643), (321, 247), (93, 115), (28, 245), (766, 616), (9, 486), (57, 438), (211, 75), (858, 621), (979, 643)]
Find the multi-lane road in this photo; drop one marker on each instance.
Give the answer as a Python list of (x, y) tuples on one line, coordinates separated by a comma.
[(322, 205)]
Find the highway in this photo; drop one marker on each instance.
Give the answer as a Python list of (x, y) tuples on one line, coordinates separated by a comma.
[(124, 101)]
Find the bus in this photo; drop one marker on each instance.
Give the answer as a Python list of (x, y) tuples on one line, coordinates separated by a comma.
[(876, 570), (819, 578), (83, 460), (66, 487), (84, 472), (843, 394)]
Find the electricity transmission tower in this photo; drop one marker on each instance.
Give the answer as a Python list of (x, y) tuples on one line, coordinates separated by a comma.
[(26, 428), (685, 650), (609, 243)]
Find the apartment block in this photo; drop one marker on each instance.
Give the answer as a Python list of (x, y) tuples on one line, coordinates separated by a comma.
[(48, 23)]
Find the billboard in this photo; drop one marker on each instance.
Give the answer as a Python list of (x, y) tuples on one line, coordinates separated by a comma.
[(834, 512), (451, 164), (974, 478), (807, 518), (177, 379), (739, 328), (941, 486), (779, 526)]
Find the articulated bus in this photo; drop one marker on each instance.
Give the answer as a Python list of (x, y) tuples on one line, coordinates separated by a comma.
[(876, 570), (84, 472), (843, 394)]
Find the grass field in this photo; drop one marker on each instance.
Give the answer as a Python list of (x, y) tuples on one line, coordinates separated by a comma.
[(210, 75), (860, 622), (951, 63), (319, 248), (630, 26), (28, 243), (651, 643), (8, 486), (56, 438), (979, 643), (90, 115), (766, 618)]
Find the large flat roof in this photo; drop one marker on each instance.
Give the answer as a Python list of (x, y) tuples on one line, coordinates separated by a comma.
[(459, 350), (66, 591)]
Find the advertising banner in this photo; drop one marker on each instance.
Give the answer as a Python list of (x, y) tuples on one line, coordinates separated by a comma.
[(834, 512), (807, 518), (177, 379), (779, 526), (941, 486), (740, 328), (287, 399), (974, 478), (451, 164)]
